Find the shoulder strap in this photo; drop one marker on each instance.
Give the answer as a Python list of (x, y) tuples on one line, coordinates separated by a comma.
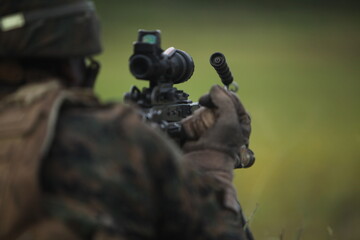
[(27, 124)]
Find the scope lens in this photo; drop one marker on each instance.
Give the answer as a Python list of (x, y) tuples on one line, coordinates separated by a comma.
[(149, 38), (141, 67)]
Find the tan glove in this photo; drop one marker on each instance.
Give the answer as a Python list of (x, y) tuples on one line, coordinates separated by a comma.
[(221, 125)]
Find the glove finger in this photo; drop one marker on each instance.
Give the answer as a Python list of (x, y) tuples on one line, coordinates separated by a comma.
[(208, 117), (187, 125), (217, 96), (245, 122), (214, 98), (244, 117), (200, 127), (197, 124), (240, 109), (223, 101), (206, 101)]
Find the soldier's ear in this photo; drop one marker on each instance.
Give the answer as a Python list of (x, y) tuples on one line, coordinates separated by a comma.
[(74, 71), (92, 71)]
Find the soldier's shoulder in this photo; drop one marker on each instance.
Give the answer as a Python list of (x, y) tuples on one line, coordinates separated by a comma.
[(95, 122), (111, 124)]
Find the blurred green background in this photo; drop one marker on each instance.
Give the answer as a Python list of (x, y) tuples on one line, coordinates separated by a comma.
[(298, 67)]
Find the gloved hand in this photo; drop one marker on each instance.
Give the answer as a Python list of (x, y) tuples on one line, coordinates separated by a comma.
[(218, 136), (222, 125)]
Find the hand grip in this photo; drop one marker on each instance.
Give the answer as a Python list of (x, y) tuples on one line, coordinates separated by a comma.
[(196, 125)]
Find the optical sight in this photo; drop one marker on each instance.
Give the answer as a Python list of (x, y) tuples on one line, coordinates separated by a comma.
[(150, 62)]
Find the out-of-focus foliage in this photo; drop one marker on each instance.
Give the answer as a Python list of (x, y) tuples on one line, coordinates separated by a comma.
[(298, 69)]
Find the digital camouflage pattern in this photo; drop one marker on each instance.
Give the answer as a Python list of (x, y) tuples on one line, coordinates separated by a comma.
[(108, 174), (53, 32)]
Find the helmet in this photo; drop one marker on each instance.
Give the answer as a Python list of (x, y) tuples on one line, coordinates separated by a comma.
[(48, 28)]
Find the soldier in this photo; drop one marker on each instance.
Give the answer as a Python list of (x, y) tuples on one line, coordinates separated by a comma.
[(74, 168)]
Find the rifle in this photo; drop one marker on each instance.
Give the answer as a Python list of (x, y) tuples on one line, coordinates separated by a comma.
[(161, 103)]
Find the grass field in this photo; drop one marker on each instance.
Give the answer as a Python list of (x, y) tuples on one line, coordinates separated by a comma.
[(299, 77)]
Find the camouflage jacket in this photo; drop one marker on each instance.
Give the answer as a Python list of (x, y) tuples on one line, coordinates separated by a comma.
[(107, 175)]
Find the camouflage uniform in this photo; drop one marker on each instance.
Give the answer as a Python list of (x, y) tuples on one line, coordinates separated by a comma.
[(73, 168), (118, 177)]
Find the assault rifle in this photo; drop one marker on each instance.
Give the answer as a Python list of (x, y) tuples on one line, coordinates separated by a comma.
[(161, 103)]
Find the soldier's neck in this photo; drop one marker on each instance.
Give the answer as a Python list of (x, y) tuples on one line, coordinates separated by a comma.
[(13, 74)]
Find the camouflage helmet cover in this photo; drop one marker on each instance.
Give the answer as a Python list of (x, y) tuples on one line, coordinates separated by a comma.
[(48, 28)]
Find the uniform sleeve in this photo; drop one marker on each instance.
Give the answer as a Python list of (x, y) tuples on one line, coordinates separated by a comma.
[(107, 174)]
